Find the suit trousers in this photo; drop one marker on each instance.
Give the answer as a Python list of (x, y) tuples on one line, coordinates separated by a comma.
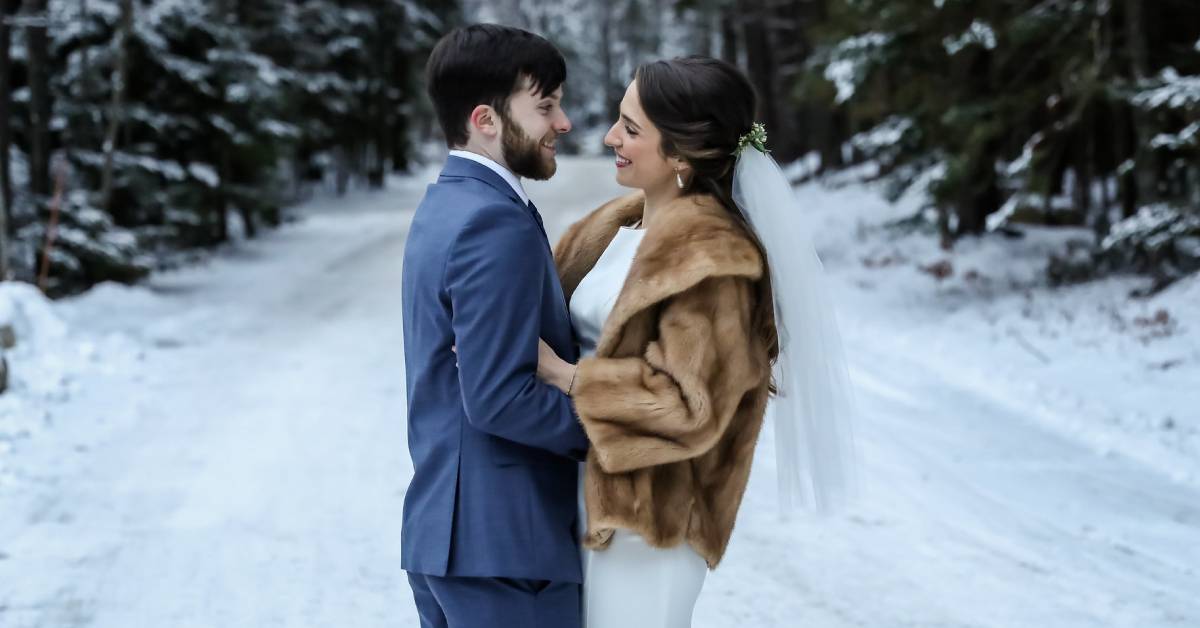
[(465, 602)]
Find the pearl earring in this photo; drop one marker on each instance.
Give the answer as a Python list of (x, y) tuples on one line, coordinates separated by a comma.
[(679, 179)]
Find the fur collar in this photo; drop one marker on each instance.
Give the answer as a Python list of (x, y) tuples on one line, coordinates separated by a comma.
[(694, 238)]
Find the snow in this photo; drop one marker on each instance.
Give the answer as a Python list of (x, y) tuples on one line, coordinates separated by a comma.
[(1059, 203), (225, 444), (155, 119), (1090, 362), (1149, 219), (21, 95), (41, 368), (167, 457), (345, 44), (204, 173), (848, 62), (1021, 165), (1173, 90), (979, 32), (266, 73), (1185, 138), (238, 93), (190, 71), (67, 13), (171, 170), (803, 168), (224, 125), (88, 217), (279, 129), (32, 315), (882, 139)]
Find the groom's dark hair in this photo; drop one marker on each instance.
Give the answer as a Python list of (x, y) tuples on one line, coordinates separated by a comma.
[(483, 64)]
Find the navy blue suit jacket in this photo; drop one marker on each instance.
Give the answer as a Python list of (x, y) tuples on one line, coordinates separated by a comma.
[(494, 449)]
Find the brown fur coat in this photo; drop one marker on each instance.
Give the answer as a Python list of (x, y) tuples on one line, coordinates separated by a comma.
[(673, 400)]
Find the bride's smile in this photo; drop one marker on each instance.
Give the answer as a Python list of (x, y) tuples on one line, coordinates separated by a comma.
[(640, 160)]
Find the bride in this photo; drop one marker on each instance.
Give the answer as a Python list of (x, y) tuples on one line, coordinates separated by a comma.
[(692, 299)]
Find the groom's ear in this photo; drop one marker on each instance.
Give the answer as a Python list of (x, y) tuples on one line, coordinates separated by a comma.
[(484, 120)]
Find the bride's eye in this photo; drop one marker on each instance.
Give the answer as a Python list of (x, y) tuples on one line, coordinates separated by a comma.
[(631, 132)]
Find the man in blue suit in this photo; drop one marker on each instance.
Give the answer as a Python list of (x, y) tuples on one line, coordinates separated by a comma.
[(489, 536)]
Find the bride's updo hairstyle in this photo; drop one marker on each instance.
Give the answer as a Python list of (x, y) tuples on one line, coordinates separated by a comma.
[(702, 106)]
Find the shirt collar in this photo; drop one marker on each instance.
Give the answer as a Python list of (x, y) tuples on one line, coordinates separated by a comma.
[(504, 173)]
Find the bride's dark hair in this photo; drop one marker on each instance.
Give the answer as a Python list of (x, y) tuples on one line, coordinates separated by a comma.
[(702, 106)]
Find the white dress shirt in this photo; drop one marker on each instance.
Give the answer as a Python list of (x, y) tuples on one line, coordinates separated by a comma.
[(497, 168)]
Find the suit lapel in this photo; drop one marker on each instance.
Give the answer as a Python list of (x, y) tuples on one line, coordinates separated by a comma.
[(538, 218), (457, 167)]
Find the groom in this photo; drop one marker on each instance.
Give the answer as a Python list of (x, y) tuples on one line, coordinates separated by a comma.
[(489, 533)]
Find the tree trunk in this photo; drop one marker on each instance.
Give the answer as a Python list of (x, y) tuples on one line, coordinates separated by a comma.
[(341, 164), (85, 59), (221, 210), (979, 195), (248, 220), (612, 93), (760, 59), (790, 22), (377, 171), (38, 45), (400, 142), (729, 34), (828, 126), (7, 7), (220, 196), (1103, 224), (115, 112), (641, 42), (1145, 164)]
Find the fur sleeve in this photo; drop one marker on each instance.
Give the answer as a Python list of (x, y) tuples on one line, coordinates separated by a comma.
[(675, 401)]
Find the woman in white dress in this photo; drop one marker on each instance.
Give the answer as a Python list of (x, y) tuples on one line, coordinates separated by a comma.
[(672, 299)]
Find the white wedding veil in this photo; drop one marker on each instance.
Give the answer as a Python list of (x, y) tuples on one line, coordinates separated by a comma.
[(813, 413)]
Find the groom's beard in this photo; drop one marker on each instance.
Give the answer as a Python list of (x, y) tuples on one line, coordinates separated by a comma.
[(523, 154)]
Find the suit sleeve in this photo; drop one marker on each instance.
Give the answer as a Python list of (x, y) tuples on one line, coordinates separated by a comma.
[(494, 277), (675, 401)]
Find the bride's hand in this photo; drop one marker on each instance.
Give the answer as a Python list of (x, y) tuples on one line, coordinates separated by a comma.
[(552, 369)]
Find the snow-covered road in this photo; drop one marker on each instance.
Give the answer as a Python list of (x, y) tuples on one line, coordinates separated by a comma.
[(236, 458)]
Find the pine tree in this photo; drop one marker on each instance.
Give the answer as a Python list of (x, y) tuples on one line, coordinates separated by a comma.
[(1055, 112), (185, 124)]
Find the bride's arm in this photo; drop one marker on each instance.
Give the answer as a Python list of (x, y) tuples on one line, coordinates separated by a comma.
[(554, 370)]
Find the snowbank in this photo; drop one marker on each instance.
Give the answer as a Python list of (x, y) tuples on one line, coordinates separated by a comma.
[(1087, 361), (38, 365), (50, 362)]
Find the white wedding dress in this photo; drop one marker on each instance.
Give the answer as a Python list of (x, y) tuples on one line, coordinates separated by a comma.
[(630, 584)]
